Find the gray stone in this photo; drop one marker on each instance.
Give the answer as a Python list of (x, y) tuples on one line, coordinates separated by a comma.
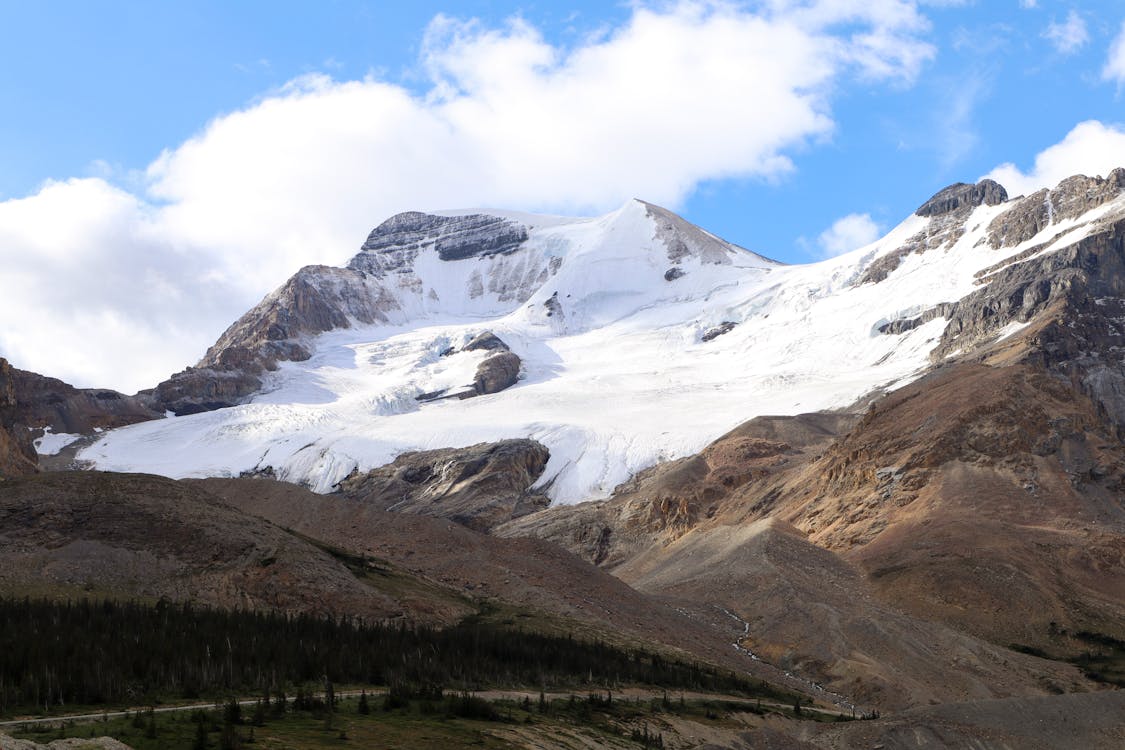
[(393, 245), (962, 195), (1070, 199), (713, 333), (486, 341), (499, 371)]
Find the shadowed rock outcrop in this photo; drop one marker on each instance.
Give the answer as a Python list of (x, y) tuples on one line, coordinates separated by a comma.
[(17, 455), (948, 211), (393, 245), (479, 486), (31, 404), (45, 402), (316, 299), (961, 195), (1070, 199)]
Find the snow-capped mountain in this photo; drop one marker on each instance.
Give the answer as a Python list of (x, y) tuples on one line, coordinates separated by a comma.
[(638, 337)]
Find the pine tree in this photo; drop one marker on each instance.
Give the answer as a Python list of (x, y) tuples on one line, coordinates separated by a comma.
[(201, 742)]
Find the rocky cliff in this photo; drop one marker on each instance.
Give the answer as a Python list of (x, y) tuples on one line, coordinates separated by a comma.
[(17, 455), (31, 404)]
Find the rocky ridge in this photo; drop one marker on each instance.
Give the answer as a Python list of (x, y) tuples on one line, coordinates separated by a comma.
[(32, 404), (497, 265), (479, 486)]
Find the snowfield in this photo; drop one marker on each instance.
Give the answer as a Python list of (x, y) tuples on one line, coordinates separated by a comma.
[(616, 375)]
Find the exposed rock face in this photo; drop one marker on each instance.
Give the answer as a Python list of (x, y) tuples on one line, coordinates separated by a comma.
[(316, 299), (393, 245), (479, 486), (987, 498), (1075, 296), (904, 325), (499, 371), (49, 402), (372, 289), (17, 455), (199, 389), (684, 239), (1072, 197), (713, 333), (946, 226), (31, 403), (662, 503), (961, 195), (487, 341)]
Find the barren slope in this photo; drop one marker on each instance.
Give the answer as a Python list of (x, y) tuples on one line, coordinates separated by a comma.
[(86, 533)]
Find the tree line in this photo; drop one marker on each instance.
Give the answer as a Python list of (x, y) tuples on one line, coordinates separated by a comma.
[(91, 653)]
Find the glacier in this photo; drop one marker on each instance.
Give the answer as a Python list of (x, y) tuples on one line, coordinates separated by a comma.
[(611, 319)]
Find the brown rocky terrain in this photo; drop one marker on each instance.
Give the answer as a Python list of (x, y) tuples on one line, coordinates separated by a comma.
[(43, 402), (131, 535), (530, 573), (17, 454), (987, 499), (31, 403), (977, 508), (479, 486)]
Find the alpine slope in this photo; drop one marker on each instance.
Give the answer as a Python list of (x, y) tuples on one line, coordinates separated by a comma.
[(638, 338)]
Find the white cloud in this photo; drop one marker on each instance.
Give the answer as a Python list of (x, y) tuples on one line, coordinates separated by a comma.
[(93, 288), (848, 233), (1029, 3), (1114, 69), (1091, 148), (1069, 36), (130, 286)]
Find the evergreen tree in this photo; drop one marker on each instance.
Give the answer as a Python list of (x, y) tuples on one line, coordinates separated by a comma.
[(201, 741)]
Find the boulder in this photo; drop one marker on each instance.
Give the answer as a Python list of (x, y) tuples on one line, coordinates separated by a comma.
[(713, 333), (499, 371), (486, 341)]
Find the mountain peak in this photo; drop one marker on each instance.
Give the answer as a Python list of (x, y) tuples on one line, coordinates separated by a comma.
[(961, 195)]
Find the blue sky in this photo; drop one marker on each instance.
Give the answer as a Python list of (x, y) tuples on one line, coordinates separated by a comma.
[(197, 153)]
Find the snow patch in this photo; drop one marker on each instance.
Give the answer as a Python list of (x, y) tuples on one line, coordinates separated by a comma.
[(52, 442)]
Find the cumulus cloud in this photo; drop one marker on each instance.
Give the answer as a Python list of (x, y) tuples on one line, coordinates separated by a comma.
[(127, 287), (848, 233), (1114, 69), (1069, 36), (1091, 148), (92, 283)]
